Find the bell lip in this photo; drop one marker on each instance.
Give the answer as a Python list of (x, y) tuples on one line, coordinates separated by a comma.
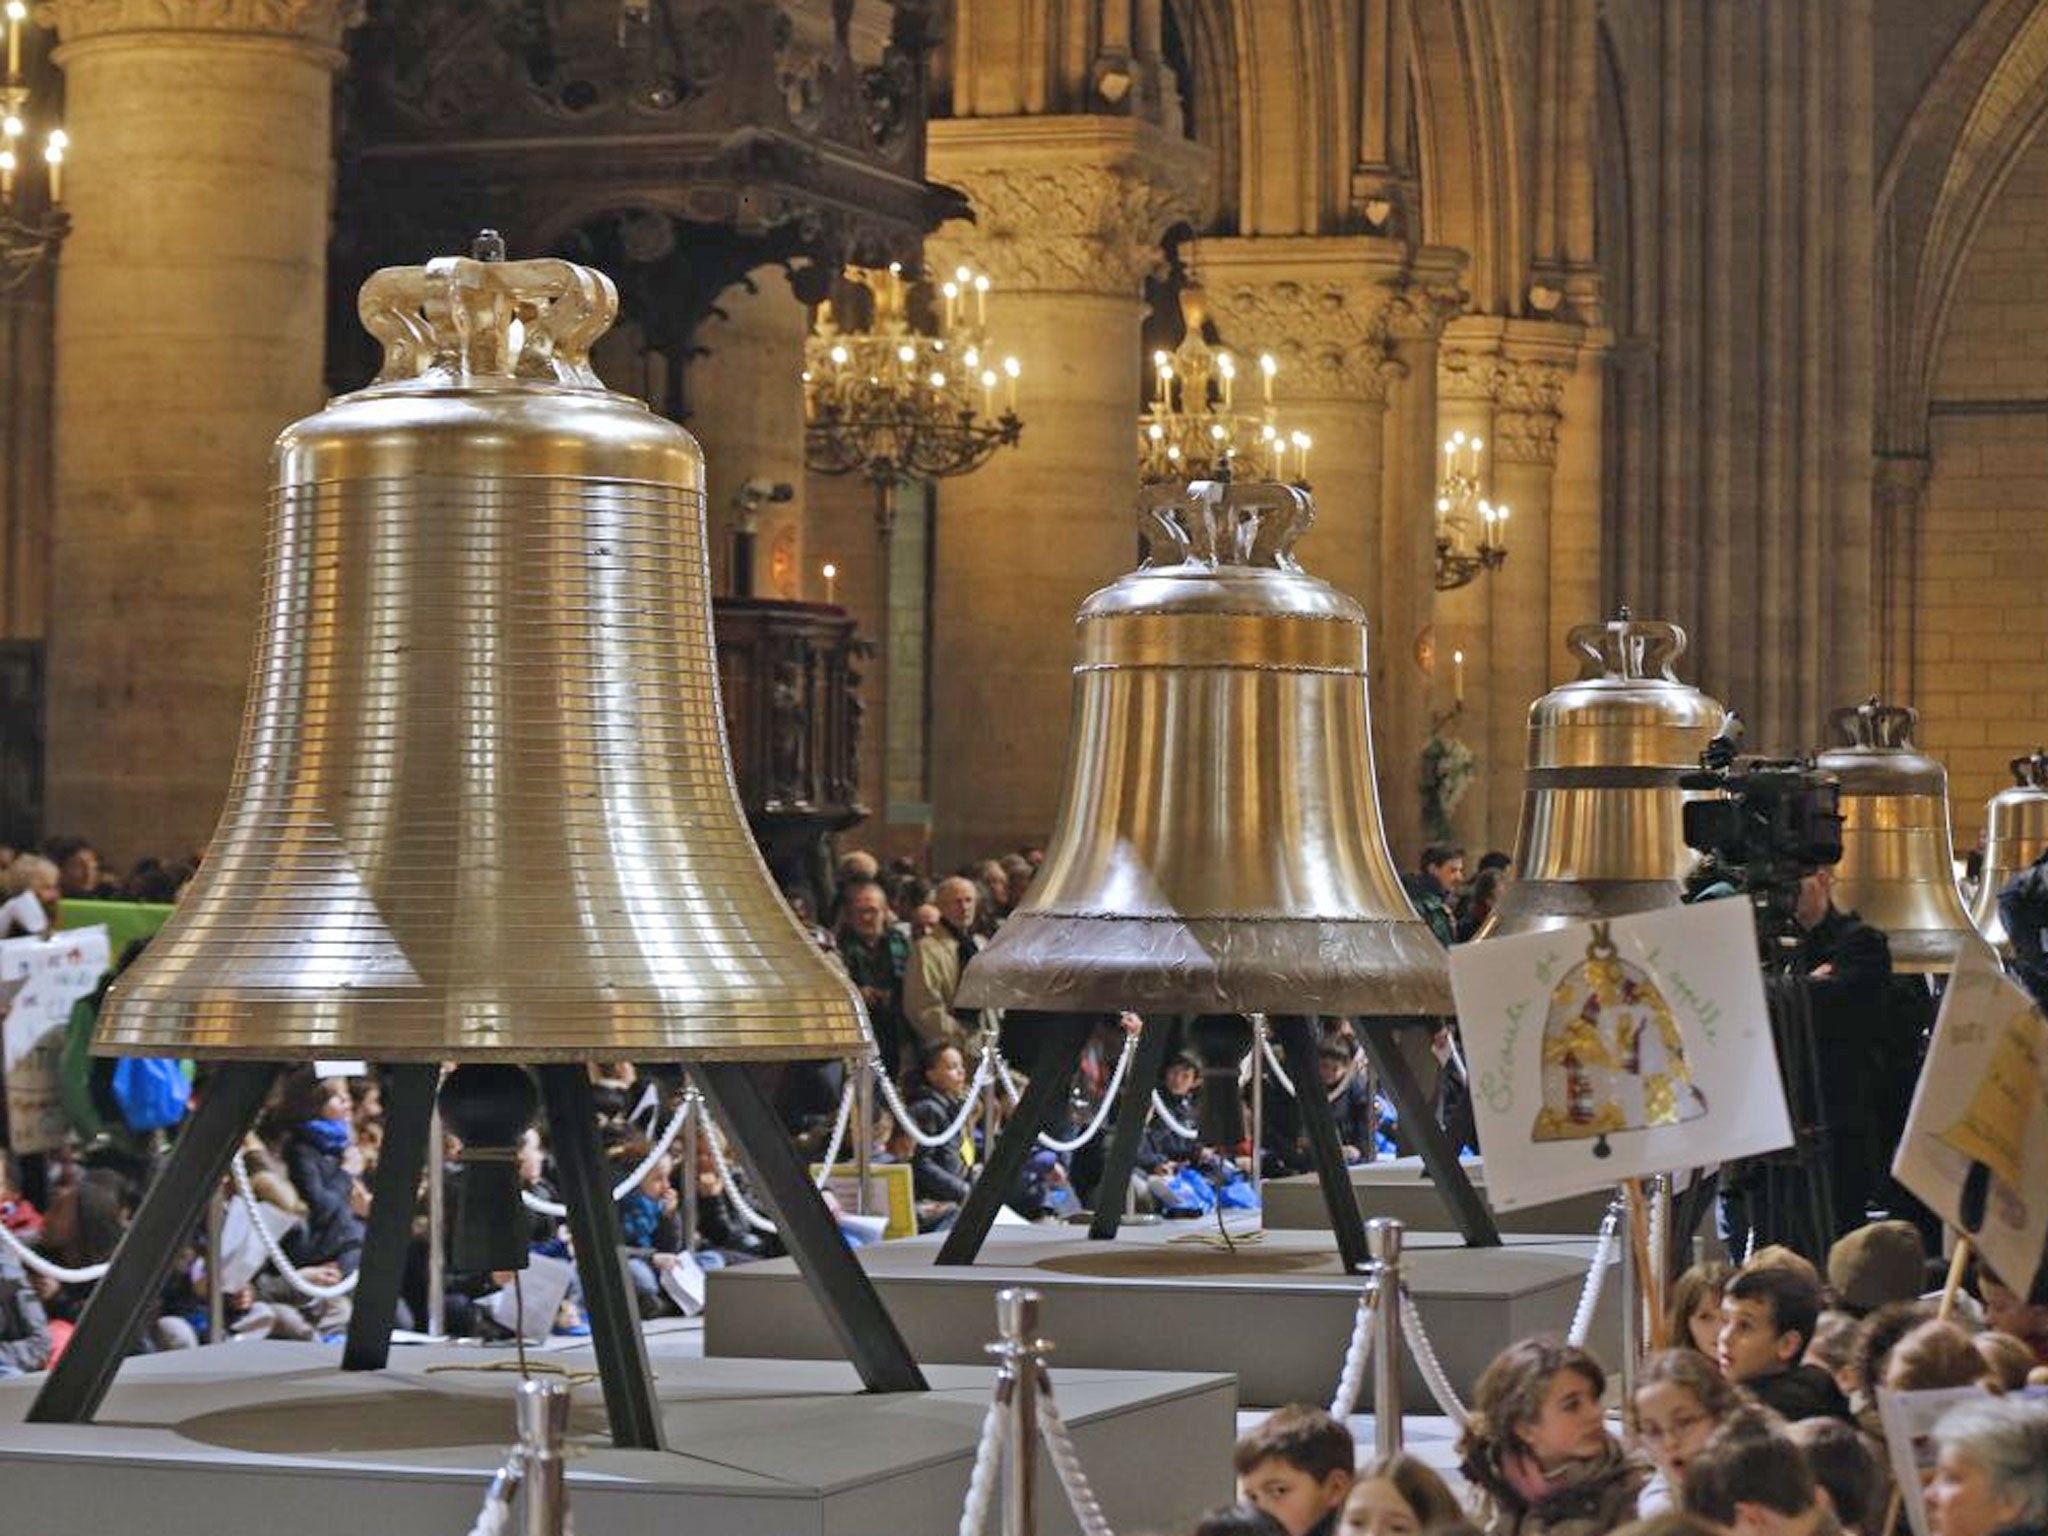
[(1598, 901), (339, 1050), (1044, 962)]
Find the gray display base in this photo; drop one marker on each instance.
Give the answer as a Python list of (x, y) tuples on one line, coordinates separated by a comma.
[(1278, 1313), (253, 1439), (1398, 1187)]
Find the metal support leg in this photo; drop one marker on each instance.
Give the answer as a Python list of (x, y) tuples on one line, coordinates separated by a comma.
[(1065, 1035), (1129, 1130), (600, 1259), (865, 1330), (1298, 1043), (1439, 1157), (78, 1383), (408, 1112)]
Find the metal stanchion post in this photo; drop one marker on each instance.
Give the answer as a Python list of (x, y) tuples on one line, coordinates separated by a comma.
[(437, 1227), (1383, 1241), (1631, 1316), (1660, 1224), (543, 1412), (1259, 1113), (1019, 1349), (216, 1293), (692, 1129), (863, 1130)]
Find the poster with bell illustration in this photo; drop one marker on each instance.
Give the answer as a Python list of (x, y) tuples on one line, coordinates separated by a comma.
[(1614, 1050), (1976, 1142)]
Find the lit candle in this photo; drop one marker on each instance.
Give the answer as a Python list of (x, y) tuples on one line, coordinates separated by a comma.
[(980, 300), (1226, 365), (53, 152), (952, 293), (988, 391), (1500, 528), (17, 15), (1457, 675), (7, 164), (1476, 446), (1268, 367), (1301, 444), (1010, 372), (831, 574)]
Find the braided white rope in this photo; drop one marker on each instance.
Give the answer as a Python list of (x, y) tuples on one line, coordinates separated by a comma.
[(1596, 1277), (1424, 1352), (838, 1134), (1110, 1091), (495, 1518), (1660, 1211), (1357, 1354), (631, 1181), (968, 1109), (749, 1212), (49, 1268), (1185, 1132), (1067, 1462), (1273, 1060), (239, 1167), (988, 1455), (1006, 1082)]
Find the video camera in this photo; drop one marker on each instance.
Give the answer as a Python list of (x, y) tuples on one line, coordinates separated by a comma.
[(1771, 821)]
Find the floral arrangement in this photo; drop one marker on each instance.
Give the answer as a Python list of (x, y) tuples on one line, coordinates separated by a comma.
[(1448, 768)]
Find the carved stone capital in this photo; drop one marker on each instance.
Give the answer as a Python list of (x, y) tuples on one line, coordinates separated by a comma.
[(1064, 205), (1529, 401), (1421, 308), (320, 23), (1464, 374)]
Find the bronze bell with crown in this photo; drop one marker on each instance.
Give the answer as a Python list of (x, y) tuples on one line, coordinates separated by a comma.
[(1602, 830), (1897, 870), (483, 807), (2015, 833), (1218, 847)]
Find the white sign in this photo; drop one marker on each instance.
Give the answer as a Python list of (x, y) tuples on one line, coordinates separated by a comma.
[(51, 974), (1976, 1142), (1609, 1051), (1909, 1419)]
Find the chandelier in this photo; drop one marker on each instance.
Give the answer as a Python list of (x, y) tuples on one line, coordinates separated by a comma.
[(1193, 426), (1471, 532), (32, 222), (895, 401)]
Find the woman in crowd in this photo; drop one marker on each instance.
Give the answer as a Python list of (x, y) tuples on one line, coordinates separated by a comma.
[(1398, 1496), (1935, 1356), (1536, 1446), (1693, 1320), (1991, 1478), (1681, 1399)]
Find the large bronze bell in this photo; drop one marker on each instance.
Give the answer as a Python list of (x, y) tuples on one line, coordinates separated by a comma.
[(2015, 833), (1897, 870), (1219, 846), (1602, 830), (483, 808)]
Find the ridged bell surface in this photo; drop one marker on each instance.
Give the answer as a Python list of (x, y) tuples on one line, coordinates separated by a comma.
[(483, 808), (2015, 832), (1602, 831), (1898, 868), (1219, 847)]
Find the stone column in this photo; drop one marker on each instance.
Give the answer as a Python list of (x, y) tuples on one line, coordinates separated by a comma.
[(189, 323), (1528, 621), (1069, 211), (745, 398), (1467, 382)]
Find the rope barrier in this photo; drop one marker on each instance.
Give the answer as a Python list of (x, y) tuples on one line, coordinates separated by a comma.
[(1596, 1277), (346, 1285), (1109, 1096), (49, 1268), (1067, 1461), (631, 1181), (1433, 1374), (988, 1455), (1184, 1132), (749, 1213), (495, 1518), (1357, 1354), (1273, 1061), (838, 1134), (951, 1133)]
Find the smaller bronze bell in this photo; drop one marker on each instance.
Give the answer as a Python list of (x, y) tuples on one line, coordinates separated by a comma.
[(1602, 832), (1897, 870), (2015, 832)]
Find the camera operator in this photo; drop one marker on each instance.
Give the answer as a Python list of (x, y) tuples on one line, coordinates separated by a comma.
[(1847, 964)]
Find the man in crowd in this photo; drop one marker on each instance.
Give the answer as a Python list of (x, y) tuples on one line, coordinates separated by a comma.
[(934, 974), (877, 956), (1434, 891), (1752, 1481), (1767, 1319)]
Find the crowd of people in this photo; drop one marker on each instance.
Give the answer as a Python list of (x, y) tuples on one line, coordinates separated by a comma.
[(1758, 1416)]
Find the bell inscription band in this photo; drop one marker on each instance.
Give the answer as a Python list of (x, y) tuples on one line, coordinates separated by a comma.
[(1602, 831), (483, 813), (1898, 863), (1219, 849)]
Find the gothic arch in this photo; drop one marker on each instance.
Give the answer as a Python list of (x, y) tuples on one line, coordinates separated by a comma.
[(1469, 170)]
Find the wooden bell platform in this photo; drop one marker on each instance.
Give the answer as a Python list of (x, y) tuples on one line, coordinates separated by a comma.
[(75, 1389), (256, 1438), (1277, 1313)]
